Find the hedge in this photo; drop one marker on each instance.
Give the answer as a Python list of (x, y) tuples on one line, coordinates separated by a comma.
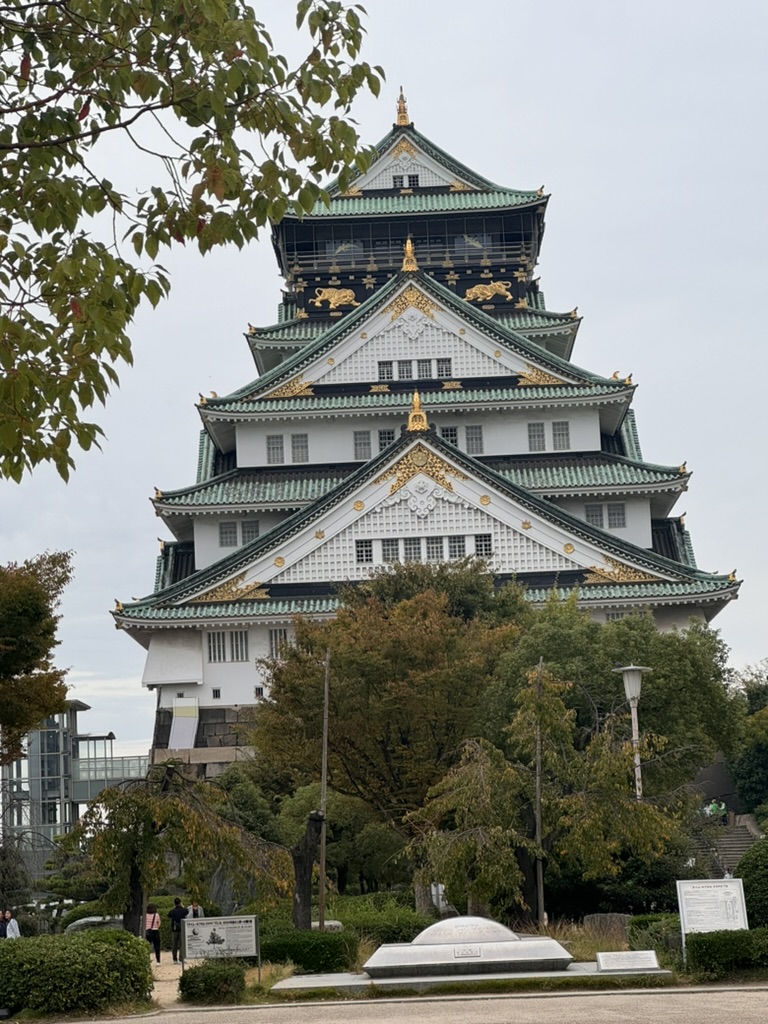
[(313, 952), (660, 932), (56, 974), (213, 983), (713, 955), (381, 916), (752, 869)]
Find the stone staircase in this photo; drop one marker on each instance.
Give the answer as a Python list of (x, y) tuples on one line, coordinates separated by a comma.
[(734, 841)]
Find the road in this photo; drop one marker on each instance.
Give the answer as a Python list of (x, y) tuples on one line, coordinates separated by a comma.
[(670, 1006)]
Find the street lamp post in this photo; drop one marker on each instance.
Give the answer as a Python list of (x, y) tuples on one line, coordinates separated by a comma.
[(633, 681)]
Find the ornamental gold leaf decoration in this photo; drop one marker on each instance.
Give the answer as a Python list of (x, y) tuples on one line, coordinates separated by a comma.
[(296, 388), (460, 186), (403, 146), (617, 572), (533, 376), (420, 460), (411, 297), (352, 192), (235, 589)]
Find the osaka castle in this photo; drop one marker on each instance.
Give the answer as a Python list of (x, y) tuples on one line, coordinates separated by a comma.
[(416, 400)]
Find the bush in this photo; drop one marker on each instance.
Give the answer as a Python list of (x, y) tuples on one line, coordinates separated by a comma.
[(77, 913), (380, 916), (753, 870), (314, 952), (214, 982), (56, 974), (712, 955), (660, 932)]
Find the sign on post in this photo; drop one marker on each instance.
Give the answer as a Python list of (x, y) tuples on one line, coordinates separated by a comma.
[(219, 936), (711, 905)]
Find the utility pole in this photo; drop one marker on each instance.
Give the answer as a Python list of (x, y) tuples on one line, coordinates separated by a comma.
[(324, 791), (541, 917)]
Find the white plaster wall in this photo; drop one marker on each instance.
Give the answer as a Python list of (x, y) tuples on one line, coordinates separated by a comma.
[(638, 515), (174, 656), (332, 440), (207, 550)]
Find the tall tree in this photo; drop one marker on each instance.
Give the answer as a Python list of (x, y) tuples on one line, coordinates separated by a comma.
[(407, 686), (30, 687), (130, 834), (229, 132)]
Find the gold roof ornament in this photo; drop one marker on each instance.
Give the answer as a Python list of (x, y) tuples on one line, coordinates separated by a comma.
[(402, 109), (683, 467), (118, 605), (417, 418), (409, 259), (732, 576), (203, 399), (158, 493)]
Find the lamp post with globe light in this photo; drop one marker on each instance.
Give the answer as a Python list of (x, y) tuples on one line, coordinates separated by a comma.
[(633, 681)]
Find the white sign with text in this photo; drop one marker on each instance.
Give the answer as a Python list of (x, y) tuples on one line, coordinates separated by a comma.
[(711, 905), (219, 936)]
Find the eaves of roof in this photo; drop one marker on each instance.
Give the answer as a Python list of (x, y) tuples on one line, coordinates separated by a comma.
[(206, 578), (693, 592), (408, 205), (482, 321)]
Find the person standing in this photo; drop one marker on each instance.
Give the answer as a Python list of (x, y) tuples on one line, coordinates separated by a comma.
[(2, 924), (195, 910), (152, 929), (176, 915), (11, 926)]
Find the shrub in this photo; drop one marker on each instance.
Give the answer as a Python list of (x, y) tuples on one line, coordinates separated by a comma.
[(753, 870), (314, 952), (77, 913), (381, 916), (714, 955), (214, 982), (660, 932), (56, 974)]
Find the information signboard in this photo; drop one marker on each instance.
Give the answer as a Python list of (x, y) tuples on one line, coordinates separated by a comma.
[(711, 905), (219, 936)]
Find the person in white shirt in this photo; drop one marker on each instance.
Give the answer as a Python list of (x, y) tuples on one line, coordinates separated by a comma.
[(11, 926)]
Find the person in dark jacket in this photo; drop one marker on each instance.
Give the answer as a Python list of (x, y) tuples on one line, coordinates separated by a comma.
[(176, 915)]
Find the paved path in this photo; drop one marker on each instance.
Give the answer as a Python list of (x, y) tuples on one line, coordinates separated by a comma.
[(669, 1006)]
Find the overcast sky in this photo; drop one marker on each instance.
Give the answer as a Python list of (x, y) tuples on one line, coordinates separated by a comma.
[(647, 124)]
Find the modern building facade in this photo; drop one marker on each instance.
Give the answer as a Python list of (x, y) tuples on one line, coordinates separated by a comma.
[(416, 400), (44, 793)]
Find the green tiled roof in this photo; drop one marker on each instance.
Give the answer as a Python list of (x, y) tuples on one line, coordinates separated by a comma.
[(231, 609), (393, 203), (248, 488), (537, 320), (702, 589), (242, 487), (430, 399), (484, 323)]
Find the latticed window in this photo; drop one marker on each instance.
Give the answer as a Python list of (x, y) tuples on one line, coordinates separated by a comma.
[(278, 638), (443, 368), (474, 440), (258, 691), (300, 447), (250, 528), (615, 616), (413, 181), (423, 368), (435, 549), (398, 180), (217, 647), (617, 515), (457, 547), (561, 435), (390, 549), (386, 370), (386, 437), (275, 453), (227, 535), (483, 545), (238, 645), (364, 552), (594, 515), (362, 444), (216, 693), (412, 549), (404, 369), (536, 440), (451, 435)]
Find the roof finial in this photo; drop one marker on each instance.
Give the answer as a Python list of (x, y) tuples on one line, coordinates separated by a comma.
[(417, 418), (409, 259), (402, 109)]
